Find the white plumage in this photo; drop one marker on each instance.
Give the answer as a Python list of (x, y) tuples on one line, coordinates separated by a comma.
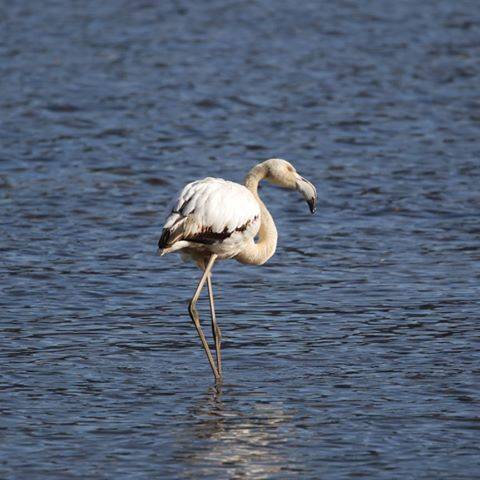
[(211, 214)]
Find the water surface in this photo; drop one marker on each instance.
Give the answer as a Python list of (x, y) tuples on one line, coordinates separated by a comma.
[(353, 353)]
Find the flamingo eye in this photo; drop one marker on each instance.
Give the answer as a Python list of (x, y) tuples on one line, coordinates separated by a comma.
[(290, 168)]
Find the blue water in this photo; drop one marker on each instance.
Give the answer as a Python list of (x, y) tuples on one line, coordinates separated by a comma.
[(354, 353)]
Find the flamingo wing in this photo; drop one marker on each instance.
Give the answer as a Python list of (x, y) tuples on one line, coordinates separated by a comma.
[(208, 212)]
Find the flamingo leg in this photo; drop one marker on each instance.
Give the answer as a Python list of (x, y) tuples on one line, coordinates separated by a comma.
[(196, 319), (217, 334)]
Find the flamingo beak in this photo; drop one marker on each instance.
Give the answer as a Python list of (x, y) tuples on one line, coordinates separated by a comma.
[(308, 191)]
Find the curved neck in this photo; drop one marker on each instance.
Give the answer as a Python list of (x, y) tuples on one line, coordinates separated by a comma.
[(258, 253)]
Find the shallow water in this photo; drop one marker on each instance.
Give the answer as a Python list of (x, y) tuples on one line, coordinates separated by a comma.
[(353, 353)]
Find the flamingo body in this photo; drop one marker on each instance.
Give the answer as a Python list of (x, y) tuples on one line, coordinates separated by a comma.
[(211, 216)]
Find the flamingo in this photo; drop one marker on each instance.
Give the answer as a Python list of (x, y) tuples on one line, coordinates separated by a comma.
[(218, 219)]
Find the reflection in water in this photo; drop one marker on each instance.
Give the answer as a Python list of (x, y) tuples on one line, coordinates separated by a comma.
[(240, 435)]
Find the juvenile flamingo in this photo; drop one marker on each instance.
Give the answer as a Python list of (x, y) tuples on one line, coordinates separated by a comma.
[(217, 219)]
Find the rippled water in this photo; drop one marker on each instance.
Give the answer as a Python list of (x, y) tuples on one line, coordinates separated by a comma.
[(353, 353)]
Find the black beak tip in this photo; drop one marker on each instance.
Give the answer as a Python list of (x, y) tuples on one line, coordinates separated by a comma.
[(312, 203)]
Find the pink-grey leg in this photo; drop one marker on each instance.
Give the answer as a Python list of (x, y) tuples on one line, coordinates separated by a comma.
[(196, 319), (217, 334)]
